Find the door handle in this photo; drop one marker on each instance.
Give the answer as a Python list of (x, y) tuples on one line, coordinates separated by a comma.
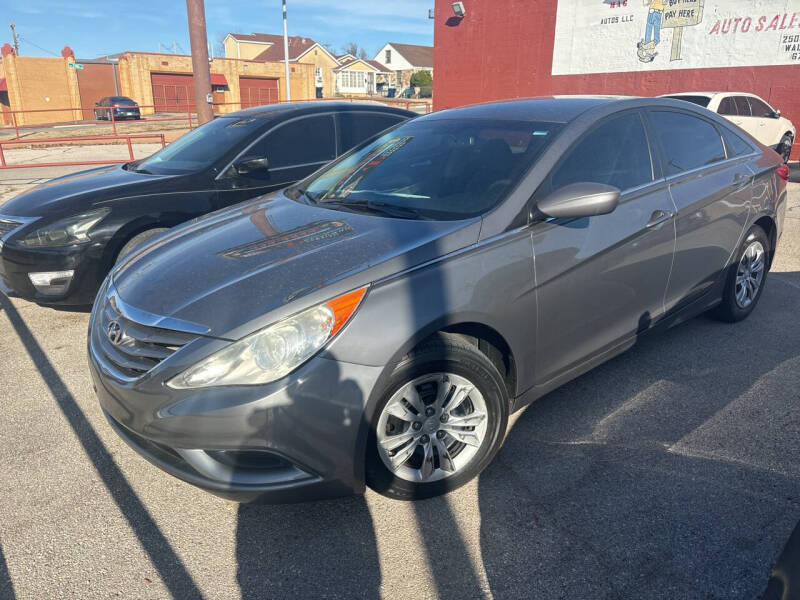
[(658, 217)]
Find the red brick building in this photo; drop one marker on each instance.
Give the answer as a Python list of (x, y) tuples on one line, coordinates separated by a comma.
[(516, 48)]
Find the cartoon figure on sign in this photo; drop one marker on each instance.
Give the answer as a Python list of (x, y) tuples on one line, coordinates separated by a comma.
[(646, 49)]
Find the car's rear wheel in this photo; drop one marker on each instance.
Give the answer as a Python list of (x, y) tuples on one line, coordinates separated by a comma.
[(746, 277), (138, 240), (785, 147), (439, 422)]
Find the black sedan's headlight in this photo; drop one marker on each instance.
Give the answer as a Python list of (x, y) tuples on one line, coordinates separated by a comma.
[(65, 232)]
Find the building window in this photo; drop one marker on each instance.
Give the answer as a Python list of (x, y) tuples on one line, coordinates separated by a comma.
[(388, 57)]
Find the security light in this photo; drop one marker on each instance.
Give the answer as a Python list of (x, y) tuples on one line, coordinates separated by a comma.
[(431, 13), (458, 9)]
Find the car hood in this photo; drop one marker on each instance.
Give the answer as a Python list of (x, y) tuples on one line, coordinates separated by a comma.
[(227, 271), (79, 191)]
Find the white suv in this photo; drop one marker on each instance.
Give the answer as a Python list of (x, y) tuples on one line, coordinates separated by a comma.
[(749, 112)]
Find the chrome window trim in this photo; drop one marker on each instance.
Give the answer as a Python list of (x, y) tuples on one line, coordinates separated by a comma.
[(697, 170)]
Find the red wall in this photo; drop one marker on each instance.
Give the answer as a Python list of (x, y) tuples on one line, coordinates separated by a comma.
[(504, 49)]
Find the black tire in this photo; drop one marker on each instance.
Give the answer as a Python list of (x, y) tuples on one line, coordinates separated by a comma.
[(451, 354), (785, 147), (729, 310), (138, 240)]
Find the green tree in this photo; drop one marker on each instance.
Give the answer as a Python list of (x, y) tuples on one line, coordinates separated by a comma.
[(422, 79)]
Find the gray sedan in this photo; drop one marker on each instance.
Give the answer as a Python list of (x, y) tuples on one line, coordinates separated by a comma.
[(377, 322)]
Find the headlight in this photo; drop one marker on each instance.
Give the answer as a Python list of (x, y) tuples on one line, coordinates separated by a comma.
[(72, 230), (275, 351)]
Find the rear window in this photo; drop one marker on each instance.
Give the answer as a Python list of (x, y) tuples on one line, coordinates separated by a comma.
[(122, 100), (688, 141), (699, 100), (435, 168)]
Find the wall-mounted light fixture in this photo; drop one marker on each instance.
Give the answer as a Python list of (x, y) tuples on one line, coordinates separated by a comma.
[(458, 9), (431, 13)]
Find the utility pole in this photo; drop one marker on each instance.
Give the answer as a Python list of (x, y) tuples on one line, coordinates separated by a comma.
[(159, 47), (286, 55), (174, 46), (15, 38), (195, 11)]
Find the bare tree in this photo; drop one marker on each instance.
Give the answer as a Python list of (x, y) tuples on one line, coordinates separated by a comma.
[(350, 48)]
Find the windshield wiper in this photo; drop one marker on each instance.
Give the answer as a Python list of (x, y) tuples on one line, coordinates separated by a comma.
[(391, 210), (145, 171)]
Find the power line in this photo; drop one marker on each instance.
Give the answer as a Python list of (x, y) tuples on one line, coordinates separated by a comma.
[(27, 41)]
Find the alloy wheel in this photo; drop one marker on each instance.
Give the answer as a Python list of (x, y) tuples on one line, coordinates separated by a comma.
[(432, 427), (750, 274)]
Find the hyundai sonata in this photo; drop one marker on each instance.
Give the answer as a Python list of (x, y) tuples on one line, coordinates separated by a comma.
[(377, 322)]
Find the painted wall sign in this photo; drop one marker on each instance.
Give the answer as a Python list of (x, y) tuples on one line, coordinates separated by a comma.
[(609, 36)]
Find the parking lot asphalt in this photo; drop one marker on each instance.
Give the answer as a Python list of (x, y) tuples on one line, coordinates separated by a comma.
[(672, 471)]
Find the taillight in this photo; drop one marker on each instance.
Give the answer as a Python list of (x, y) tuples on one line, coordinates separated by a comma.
[(783, 172)]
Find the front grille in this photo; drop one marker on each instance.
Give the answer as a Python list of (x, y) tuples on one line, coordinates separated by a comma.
[(132, 348), (7, 226)]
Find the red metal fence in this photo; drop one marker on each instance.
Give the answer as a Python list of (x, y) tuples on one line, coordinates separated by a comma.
[(127, 138)]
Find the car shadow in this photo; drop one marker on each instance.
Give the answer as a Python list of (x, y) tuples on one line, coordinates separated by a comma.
[(6, 585), (654, 475), (163, 557), (312, 549)]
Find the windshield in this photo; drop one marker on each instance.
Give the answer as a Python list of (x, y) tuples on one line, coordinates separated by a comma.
[(433, 168), (699, 100), (201, 147)]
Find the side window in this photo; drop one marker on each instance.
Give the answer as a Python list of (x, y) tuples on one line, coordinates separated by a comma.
[(742, 106), (306, 140), (727, 106), (688, 142), (354, 128), (615, 153), (760, 108), (734, 144)]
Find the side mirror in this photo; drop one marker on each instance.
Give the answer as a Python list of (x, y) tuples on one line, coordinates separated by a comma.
[(249, 165), (776, 114), (580, 200)]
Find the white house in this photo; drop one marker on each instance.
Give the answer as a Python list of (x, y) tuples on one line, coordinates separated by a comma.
[(406, 57)]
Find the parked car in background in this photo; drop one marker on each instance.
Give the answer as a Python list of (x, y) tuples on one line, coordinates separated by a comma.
[(749, 112), (58, 240), (378, 321), (120, 106)]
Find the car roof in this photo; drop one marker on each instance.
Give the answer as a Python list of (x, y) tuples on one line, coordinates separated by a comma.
[(284, 109), (556, 109)]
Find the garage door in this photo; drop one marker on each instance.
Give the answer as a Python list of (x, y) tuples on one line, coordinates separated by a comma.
[(256, 92), (171, 91)]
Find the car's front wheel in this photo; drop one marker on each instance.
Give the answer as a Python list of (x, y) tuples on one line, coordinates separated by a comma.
[(439, 422)]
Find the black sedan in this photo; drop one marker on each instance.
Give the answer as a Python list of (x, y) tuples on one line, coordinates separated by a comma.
[(120, 107), (59, 240)]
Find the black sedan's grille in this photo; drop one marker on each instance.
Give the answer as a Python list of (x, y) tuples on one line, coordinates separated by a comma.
[(7, 226), (132, 348)]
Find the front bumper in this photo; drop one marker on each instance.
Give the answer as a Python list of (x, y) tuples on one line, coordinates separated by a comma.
[(311, 422), (86, 261)]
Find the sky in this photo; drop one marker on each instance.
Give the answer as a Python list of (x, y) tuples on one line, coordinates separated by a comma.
[(99, 27)]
